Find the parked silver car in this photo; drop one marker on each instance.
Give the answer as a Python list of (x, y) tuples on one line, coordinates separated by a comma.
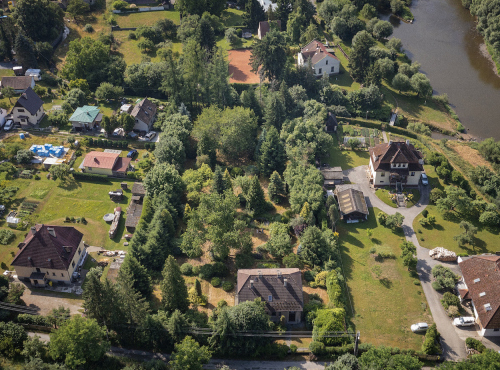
[(419, 327), (464, 321)]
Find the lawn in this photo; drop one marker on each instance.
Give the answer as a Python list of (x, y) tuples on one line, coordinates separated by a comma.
[(385, 299), (441, 235), (415, 198), (346, 158), (383, 195), (70, 199), (146, 18), (232, 17)]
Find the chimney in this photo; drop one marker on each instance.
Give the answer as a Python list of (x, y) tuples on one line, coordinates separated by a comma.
[(407, 142), (33, 230), (30, 261), (51, 231), (260, 274), (285, 282), (279, 274), (390, 142), (251, 284)]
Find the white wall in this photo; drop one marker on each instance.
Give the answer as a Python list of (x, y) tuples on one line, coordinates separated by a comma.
[(489, 333), (326, 65), (18, 111)]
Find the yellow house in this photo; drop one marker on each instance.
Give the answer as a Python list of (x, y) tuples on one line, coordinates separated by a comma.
[(104, 163), (49, 253)]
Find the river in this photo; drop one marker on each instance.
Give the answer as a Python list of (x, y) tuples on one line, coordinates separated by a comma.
[(444, 40)]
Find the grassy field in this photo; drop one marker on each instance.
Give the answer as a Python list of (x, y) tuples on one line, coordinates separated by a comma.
[(383, 195), (385, 299), (232, 17), (441, 235), (346, 158), (146, 18)]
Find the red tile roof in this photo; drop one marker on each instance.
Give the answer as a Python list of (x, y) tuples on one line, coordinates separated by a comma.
[(51, 247), (316, 51), (382, 155), (100, 160), (482, 275), (122, 164), (284, 298)]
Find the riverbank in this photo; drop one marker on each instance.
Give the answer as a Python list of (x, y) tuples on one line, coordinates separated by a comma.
[(487, 51)]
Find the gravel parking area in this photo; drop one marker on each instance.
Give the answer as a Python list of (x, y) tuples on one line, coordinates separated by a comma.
[(45, 301)]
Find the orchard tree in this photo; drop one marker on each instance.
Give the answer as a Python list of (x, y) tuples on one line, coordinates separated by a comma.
[(60, 171), (78, 342), (173, 288), (468, 234)]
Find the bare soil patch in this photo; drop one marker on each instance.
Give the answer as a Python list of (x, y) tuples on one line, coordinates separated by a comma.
[(45, 301), (469, 154), (239, 67)]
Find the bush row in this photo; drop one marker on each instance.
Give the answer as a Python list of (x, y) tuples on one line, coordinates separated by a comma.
[(33, 320), (206, 271), (104, 143), (334, 290)]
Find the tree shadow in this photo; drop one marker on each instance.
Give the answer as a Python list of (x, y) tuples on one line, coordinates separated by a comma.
[(376, 241), (69, 184), (386, 283)]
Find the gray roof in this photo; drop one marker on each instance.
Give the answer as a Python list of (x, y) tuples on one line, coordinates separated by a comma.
[(138, 188), (30, 101), (144, 111), (17, 82), (351, 201), (268, 283), (333, 173)]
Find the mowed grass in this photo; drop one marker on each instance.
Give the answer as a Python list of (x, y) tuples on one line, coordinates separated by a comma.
[(383, 195), (346, 158), (446, 227), (58, 200), (385, 299), (232, 17), (146, 18)]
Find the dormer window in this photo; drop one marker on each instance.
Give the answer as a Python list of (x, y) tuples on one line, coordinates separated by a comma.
[(270, 298), (487, 307), (482, 294)]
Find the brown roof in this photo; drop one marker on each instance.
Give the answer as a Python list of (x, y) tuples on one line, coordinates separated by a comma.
[(315, 51), (482, 276), (382, 155), (144, 111), (101, 160), (17, 82), (284, 298), (265, 27), (44, 250), (352, 201), (122, 164)]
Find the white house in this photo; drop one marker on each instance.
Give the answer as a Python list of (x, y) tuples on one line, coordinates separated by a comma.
[(396, 163), (144, 114), (28, 109), (322, 61), (480, 275)]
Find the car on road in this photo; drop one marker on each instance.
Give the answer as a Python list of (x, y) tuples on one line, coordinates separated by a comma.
[(419, 327), (464, 321), (425, 180), (132, 153), (150, 135), (8, 125)]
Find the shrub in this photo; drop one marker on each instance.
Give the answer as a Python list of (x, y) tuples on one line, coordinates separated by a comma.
[(227, 286), (88, 28), (425, 213), (293, 348), (243, 260), (6, 236), (215, 281), (475, 344), (382, 218), (450, 299), (133, 36), (317, 348), (196, 270), (309, 275), (430, 345), (206, 271), (293, 261), (320, 279), (445, 278), (334, 290), (33, 320), (187, 269), (453, 311)]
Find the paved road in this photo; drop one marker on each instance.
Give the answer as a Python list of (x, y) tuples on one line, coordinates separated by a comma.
[(453, 345)]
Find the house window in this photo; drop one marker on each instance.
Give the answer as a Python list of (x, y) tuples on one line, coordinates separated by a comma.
[(497, 329), (90, 168), (73, 264), (79, 251), (383, 174), (399, 164), (326, 62), (320, 71), (413, 174), (62, 274), (20, 110), (333, 69), (270, 298), (53, 274)]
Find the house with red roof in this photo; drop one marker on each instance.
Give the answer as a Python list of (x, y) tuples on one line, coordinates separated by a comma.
[(106, 163), (481, 285), (396, 163), (322, 60), (49, 254)]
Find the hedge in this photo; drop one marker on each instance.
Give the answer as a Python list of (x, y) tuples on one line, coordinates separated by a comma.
[(90, 177), (33, 320), (334, 290)]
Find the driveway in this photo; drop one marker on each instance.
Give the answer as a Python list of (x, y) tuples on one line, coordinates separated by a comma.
[(453, 345)]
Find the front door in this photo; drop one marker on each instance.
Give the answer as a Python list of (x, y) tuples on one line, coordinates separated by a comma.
[(291, 316), (36, 282), (37, 269)]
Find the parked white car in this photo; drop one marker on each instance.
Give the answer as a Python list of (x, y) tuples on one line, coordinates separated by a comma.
[(419, 327), (464, 321), (150, 135), (8, 125)]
